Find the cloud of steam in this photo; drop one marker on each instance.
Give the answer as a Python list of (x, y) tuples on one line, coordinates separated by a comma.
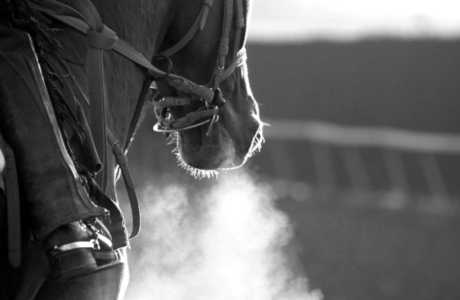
[(225, 243)]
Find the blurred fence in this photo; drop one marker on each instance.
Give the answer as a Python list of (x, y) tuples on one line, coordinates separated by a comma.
[(350, 143)]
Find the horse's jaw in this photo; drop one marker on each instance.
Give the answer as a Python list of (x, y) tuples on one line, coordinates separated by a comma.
[(227, 146)]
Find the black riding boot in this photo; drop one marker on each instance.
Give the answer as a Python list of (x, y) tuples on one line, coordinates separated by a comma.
[(61, 213)]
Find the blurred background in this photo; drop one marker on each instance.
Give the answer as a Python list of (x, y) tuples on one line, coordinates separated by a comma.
[(363, 151)]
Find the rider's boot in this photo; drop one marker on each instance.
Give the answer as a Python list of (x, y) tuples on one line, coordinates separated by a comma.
[(80, 248), (61, 213)]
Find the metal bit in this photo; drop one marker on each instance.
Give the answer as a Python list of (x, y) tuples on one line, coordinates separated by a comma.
[(214, 119)]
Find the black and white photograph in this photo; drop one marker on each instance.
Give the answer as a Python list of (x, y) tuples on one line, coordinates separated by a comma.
[(229, 150)]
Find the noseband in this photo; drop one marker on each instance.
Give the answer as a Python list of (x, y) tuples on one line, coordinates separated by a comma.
[(210, 94)]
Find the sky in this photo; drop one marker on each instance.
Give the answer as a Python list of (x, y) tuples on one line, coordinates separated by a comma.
[(300, 20)]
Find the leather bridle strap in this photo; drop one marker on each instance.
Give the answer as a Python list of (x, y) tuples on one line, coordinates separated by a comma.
[(239, 56), (198, 25), (220, 73), (166, 123), (223, 44), (129, 184)]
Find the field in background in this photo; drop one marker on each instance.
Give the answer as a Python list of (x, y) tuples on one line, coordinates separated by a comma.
[(356, 252), (377, 243)]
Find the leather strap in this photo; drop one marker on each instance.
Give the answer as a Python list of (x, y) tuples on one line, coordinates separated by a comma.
[(146, 87), (123, 163), (192, 89), (187, 121), (239, 24), (223, 45), (98, 42), (13, 208), (239, 61), (198, 25), (238, 56), (171, 101)]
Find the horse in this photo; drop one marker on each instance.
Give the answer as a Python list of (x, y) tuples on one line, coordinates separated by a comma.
[(230, 135)]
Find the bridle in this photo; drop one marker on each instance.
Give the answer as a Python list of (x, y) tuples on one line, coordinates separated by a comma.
[(100, 38), (87, 21), (210, 94)]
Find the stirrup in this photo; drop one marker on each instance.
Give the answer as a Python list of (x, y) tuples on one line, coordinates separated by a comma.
[(81, 258)]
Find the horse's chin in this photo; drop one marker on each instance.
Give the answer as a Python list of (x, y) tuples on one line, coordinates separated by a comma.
[(223, 149), (198, 151)]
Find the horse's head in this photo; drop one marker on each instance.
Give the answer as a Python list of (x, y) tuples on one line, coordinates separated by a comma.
[(237, 134)]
